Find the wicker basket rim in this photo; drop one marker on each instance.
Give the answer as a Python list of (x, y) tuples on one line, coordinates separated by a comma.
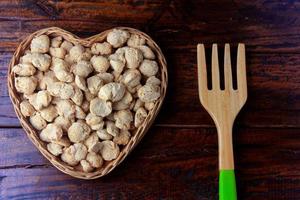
[(33, 135)]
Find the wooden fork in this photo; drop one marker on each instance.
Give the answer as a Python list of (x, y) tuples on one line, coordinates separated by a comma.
[(223, 106)]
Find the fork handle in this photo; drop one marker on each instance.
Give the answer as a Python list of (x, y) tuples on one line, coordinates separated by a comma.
[(227, 185)]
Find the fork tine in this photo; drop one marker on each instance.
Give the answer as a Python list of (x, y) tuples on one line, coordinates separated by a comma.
[(202, 74), (227, 68), (215, 67), (241, 68)]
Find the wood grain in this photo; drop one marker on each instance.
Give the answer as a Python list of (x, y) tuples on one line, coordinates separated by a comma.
[(260, 25), (178, 157), (273, 84), (179, 163)]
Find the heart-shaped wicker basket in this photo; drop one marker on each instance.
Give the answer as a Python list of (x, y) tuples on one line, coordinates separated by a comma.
[(138, 133)]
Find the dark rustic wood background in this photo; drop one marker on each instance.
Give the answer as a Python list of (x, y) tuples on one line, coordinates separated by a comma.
[(177, 159)]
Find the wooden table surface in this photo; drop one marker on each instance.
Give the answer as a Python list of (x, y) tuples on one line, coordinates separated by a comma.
[(177, 159)]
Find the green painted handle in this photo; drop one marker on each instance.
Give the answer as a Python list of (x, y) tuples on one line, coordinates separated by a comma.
[(227, 188)]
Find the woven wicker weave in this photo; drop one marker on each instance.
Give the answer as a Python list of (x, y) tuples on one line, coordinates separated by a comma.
[(32, 133)]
